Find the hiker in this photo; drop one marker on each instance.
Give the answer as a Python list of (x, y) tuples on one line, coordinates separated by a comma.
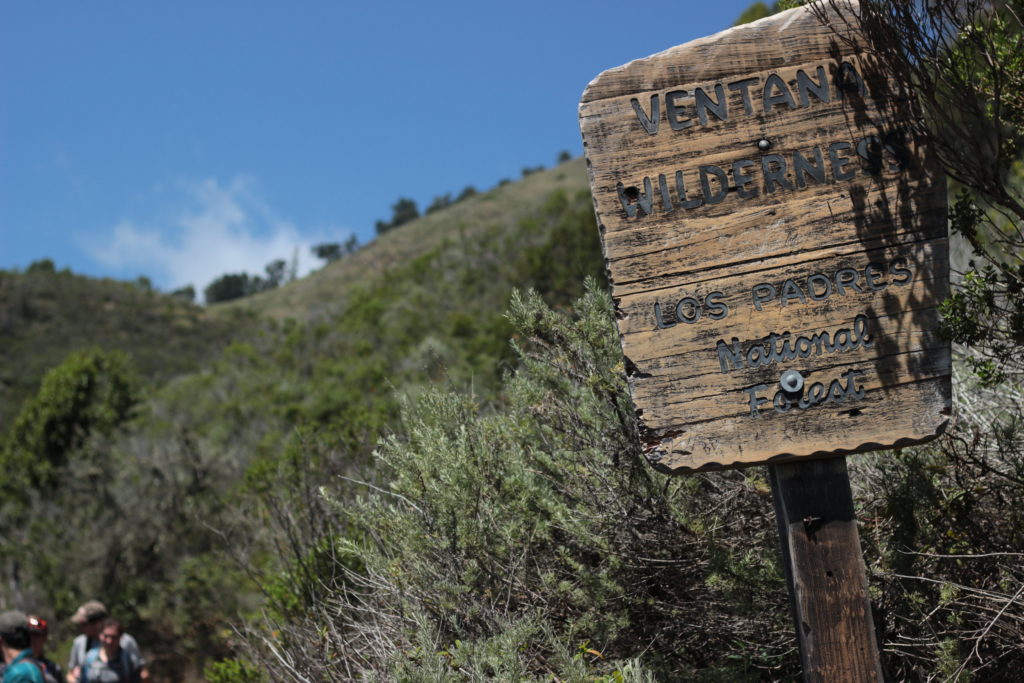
[(38, 634), (89, 617), (15, 644), (109, 662)]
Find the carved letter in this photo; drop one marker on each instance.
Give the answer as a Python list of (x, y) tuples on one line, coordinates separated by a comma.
[(632, 198), (705, 183), (847, 277), (895, 268), (873, 274), (755, 400), (727, 356), (762, 293), (803, 167), (662, 325), (791, 290), (674, 110), (716, 309), (694, 316), (705, 104), (650, 123), (743, 88), (839, 162), (777, 176), (743, 179), (666, 199), (681, 191), (825, 281), (774, 81), (805, 85)]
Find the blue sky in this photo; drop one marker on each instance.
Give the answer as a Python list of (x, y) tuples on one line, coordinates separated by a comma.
[(182, 140)]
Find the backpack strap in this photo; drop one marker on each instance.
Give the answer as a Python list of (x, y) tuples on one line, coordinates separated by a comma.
[(90, 657), (126, 663)]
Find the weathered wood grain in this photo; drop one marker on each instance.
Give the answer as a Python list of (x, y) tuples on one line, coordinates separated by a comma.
[(856, 190), (825, 571), (737, 440)]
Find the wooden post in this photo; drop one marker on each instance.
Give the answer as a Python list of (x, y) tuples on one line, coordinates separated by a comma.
[(825, 571)]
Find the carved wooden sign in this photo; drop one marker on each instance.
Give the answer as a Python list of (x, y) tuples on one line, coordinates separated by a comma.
[(776, 245)]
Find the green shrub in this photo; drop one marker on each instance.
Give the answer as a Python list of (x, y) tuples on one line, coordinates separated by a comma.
[(507, 537), (232, 671)]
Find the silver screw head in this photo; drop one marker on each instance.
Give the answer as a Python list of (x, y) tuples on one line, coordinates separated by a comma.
[(764, 144), (791, 381)]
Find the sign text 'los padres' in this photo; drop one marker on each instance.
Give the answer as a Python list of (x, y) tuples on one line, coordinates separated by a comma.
[(776, 245)]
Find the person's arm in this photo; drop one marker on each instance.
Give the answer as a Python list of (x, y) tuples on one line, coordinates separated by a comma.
[(131, 646), (75, 658), (137, 668)]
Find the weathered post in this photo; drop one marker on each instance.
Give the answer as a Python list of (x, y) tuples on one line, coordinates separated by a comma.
[(828, 589), (776, 243)]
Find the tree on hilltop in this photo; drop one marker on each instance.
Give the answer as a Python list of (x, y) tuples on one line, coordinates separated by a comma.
[(402, 211), (328, 251)]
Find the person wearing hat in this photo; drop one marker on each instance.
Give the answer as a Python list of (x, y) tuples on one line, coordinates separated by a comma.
[(38, 633), (90, 617), (110, 663), (15, 645)]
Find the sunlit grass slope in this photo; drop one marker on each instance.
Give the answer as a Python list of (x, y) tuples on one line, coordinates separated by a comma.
[(473, 221)]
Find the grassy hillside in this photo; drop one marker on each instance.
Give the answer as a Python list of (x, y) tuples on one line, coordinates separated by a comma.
[(421, 304), (485, 220), (234, 397), (47, 314)]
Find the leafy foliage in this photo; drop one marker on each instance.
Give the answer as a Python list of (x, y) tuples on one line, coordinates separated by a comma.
[(186, 294), (154, 513), (45, 315), (333, 251), (512, 539), (527, 540), (238, 285), (402, 211), (944, 532), (509, 537), (467, 192), (99, 510), (232, 671), (439, 202), (530, 170), (231, 286), (948, 537), (504, 527), (328, 251), (758, 10), (964, 60), (90, 392)]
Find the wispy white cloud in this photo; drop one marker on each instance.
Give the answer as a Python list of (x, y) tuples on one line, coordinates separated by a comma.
[(211, 230)]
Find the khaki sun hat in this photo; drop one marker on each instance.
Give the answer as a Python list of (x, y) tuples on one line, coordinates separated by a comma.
[(91, 611)]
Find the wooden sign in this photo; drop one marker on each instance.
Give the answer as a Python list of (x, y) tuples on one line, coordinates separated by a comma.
[(776, 244)]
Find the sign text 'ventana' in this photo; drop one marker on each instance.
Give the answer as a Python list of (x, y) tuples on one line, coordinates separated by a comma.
[(776, 244)]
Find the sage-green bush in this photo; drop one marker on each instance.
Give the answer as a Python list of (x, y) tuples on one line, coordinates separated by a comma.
[(528, 539)]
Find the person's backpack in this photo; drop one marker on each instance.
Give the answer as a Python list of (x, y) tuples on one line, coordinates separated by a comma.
[(28, 660), (94, 654)]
